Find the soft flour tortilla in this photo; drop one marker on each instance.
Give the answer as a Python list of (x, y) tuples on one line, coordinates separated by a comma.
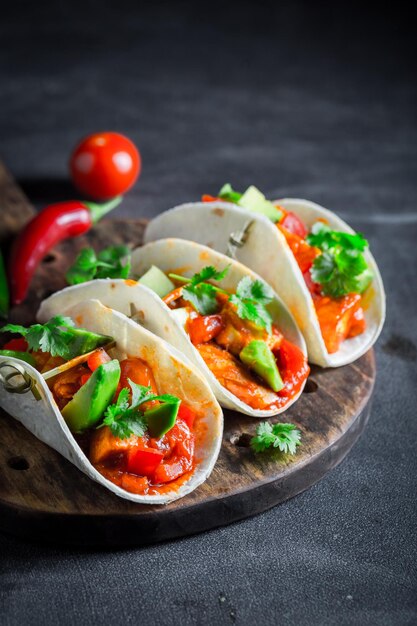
[(182, 257), (267, 253), (172, 374)]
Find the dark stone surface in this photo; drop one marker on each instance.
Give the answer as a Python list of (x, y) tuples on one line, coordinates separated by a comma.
[(315, 100)]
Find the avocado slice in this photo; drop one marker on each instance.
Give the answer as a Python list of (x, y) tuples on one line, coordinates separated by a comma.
[(23, 356), (156, 280), (92, 399), (162, 418), (254, 200), (260, 359)]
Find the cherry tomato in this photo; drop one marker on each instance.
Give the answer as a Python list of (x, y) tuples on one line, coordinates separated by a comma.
[(293, 223), (293, 366), (105, 165)]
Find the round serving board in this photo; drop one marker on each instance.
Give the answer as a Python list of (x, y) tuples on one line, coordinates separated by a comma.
[(44, 497)]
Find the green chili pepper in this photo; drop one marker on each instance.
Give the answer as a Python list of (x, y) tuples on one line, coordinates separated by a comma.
[(4, 289)]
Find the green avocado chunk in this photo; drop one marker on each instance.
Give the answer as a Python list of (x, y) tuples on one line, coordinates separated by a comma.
[(260, 359), (254, 200), (156, 280), (89, 403), (162, 418), (23, 356)]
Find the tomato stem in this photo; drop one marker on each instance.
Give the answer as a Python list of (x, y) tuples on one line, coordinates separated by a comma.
[(97, 211)]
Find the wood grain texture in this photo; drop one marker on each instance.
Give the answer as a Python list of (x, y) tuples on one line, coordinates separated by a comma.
[(44, 497), (15, 209)]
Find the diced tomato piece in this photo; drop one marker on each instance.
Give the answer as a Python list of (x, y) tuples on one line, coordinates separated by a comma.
[(204, 328), (144, 462), (18, 345), (84, 378), (138, 372), (293, 367), (207, 198), (134, 484), (96, 359), (304, 254), (186, 414), (294, 225)]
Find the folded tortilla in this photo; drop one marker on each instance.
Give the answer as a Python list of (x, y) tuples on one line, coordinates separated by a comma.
[(184, 257), (173, 374), (255, 241)]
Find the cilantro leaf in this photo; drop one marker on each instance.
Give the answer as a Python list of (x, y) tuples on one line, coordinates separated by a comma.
[(208, 273), (201, 294), (112, 262), (250, 299), (342, 267), (228, 194), (202, 297), (125, 420), (341, 272), (285, 437), (59, 337), (323, 237)]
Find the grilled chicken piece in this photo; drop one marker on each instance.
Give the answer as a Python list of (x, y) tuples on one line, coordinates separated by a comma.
[(235, 377), (339, 319), (237, 333)]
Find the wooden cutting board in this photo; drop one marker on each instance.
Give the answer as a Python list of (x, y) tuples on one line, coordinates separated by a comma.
[(44, 497)]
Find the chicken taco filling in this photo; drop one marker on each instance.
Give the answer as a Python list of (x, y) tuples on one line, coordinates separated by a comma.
[(235, 335), (332, 264), (140, 440)]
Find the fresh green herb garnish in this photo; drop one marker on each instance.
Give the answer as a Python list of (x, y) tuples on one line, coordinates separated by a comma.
[(202, 295), (59, 337), (228, 194), (112, 262), (321, 236), (124, 419), (250, 298), (286, 437), (341, 268)]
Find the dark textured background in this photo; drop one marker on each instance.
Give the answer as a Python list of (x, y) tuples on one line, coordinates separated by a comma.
[(307, 99)]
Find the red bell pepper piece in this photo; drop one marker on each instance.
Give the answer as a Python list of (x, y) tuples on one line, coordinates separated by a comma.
[(204, 328), (144, 462), (186, 414), (293, 367), (96, 359), (55, 223), (207, 198), (85, 377), (18, 345)]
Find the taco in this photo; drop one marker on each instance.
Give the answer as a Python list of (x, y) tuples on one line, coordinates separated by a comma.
[(218, 313), (315, 262), (121, 404)]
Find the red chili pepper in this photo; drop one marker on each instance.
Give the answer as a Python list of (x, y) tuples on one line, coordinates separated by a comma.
[(55, 223)]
